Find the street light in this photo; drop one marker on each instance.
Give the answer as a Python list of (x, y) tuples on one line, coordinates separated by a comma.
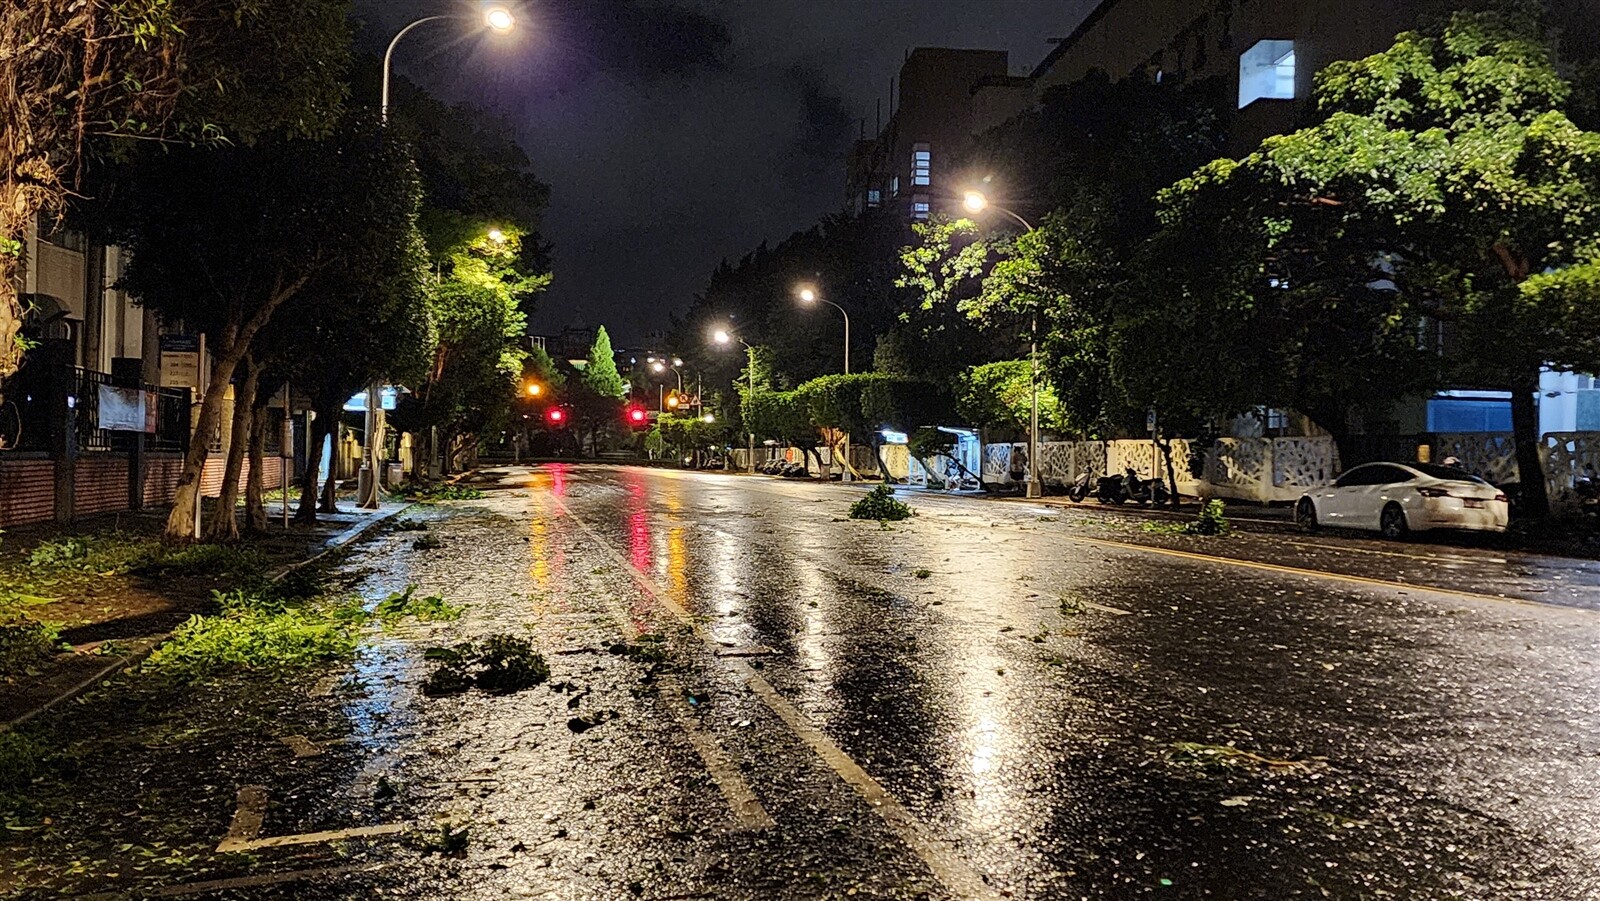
[(496, 18), (660, 366), (975, 202), (722, 337), (808, 294)]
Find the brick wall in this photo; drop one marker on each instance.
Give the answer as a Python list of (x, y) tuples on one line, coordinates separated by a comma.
[(161, 478), (102, 484), (211, 477), (27, 490)]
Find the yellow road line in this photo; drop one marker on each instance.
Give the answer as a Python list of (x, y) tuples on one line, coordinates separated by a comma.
[(946, 864)]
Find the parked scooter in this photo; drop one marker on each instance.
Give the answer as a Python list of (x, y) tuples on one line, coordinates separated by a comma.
[(1145, 491), (1128, 487), (1079, 489)]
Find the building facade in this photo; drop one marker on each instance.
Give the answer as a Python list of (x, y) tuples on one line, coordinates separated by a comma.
[(909, 164)]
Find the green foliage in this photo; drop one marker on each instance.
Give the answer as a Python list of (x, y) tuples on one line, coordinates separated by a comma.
[(22, 759), (999, 396), (1441, 181), (783, 416), (600, 375), (499, 665), (683, 435), (929, 442), (1098, 151), (254, 639), (1211, 521), (437, 491), (429, 608), (880, 504), (25, 644)]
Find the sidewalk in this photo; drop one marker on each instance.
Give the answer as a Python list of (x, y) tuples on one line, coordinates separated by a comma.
[(86, 588)]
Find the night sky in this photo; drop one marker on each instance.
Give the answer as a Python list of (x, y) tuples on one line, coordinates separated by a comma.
[(675, 133)]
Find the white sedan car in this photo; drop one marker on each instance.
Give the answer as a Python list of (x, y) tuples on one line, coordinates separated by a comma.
[(1399, 498)]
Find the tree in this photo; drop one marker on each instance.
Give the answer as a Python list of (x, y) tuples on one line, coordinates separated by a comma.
[(1441, 183), (70, 70), (600, 375), (596, 395), (82, 78), (783, 416), (1096, 151), (208, 247), (478, 356), (345, 330), (1000, 396)]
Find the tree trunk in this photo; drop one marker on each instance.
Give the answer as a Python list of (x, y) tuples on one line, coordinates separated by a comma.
[(224, 523), (1172, 473), (1534, 502), (330, 487), (321, 427), (235, 343), (255, 507), (186, 500), (883, 468), (10, 307)]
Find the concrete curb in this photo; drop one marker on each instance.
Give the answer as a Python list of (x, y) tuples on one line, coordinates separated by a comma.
[(148, 645)]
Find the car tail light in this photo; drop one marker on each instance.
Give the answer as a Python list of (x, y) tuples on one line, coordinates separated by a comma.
[(1433, 492), (1502, 499)]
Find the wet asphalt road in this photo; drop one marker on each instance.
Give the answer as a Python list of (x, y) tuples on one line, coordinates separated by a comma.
[(991, 700)]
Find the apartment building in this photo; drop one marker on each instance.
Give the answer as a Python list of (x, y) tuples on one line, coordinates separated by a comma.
[(907, 166)]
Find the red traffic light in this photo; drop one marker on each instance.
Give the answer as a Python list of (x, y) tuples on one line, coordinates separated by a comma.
[(636, 415), (556, 416)]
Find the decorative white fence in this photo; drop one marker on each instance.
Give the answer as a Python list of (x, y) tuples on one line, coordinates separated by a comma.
[(1263, 470), (1566, 456), (1255, 469)]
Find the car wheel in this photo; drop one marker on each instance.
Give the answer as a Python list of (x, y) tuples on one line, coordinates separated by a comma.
[(1305, 515), (1392, 523)]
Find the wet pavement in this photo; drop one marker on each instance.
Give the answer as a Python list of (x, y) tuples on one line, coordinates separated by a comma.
[(752, 696)]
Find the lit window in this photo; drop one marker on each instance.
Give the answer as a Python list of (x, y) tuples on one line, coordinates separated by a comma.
[(921, 165), (1266, 72), (920, 208), (894, 186), (874, 197)]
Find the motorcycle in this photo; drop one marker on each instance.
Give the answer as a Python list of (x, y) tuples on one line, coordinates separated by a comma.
[(1146, 491), (1120, 489), (1079, 489)]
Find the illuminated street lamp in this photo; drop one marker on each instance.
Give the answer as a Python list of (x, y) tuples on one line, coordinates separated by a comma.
[(495, 18), (722, 337), (808, 294), (975, 202)]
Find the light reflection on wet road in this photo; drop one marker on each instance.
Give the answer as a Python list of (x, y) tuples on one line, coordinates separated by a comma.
[(1243, 733)]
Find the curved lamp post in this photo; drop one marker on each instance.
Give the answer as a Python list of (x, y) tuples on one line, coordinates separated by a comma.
[(722, 337), (495, 18), (809, 295), (975, 202)]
